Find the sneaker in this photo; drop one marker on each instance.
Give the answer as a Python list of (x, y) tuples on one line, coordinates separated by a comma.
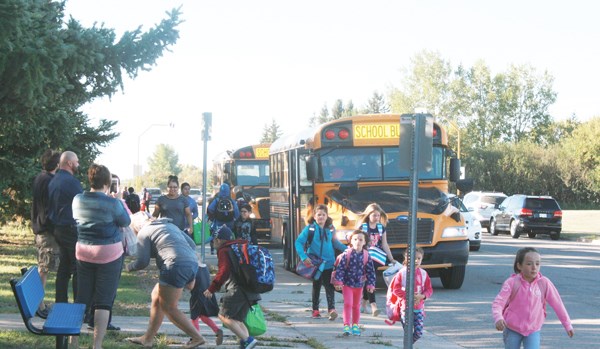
[(110, 327), (219, 339), (376, 312), (347, 330), (43, 313), (355, 330), (316, 314), (333, 315), (249, 343)]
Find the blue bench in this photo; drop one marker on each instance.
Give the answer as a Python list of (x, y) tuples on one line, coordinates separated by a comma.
[(64, 319)]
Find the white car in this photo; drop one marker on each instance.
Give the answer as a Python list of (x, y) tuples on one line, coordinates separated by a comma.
[(481, 204), (473, 224)]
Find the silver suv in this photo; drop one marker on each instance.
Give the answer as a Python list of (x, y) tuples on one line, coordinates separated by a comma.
[(482, 204)]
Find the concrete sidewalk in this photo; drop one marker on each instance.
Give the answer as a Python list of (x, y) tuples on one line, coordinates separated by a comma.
[(290, 325)]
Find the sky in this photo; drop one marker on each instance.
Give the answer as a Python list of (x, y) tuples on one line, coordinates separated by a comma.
[(252, 62)]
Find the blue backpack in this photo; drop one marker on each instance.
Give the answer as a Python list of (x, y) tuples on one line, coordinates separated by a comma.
[(253, 266)]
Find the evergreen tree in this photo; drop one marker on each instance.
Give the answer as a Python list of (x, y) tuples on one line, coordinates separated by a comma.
[(50, 67), (271, 132)]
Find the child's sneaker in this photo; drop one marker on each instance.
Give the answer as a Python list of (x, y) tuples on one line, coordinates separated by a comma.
[(355, 330), (249, 343), (347, 330), (316, 314), (333, 315)]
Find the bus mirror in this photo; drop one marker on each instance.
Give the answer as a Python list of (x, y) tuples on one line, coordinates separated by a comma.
[(312, 167), (227, 168), (454, 174)]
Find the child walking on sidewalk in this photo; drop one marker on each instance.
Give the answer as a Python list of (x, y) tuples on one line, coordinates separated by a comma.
[(373, 222), (353, 269), (396, 295), (520, 308)]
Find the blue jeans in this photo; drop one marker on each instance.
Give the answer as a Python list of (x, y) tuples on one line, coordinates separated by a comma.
[(513, 340)]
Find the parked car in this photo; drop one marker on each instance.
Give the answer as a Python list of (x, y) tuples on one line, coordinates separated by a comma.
[(196, 194), (533, 215), (482, 204), (155, 193), (473, 225)]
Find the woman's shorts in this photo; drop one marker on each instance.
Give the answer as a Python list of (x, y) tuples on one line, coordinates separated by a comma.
[(178, 275)]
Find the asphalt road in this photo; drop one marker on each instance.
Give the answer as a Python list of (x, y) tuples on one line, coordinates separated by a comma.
[(464, 316)]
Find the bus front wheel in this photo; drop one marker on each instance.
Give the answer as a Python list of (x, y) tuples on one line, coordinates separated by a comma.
[(452, 278)]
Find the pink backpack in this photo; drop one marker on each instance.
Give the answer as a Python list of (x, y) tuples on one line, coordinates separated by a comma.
[(347, 254)]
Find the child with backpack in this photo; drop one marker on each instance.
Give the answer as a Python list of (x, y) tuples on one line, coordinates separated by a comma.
[(373, 222), (318, 238), (354, 270), (243, 226), (396, 295), (235, 303), (222, 210), (519, 309)]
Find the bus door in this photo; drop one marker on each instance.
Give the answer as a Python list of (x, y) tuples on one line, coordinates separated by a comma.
[(301, 193)]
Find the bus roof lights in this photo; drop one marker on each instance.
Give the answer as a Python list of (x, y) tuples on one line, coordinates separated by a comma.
[(343, 134), (329, 134)]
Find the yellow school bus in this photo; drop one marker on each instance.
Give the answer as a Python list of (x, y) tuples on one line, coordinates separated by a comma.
[(349, 163), (247, 171)]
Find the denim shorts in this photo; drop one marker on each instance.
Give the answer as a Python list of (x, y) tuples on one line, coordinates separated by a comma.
[(178, 275)]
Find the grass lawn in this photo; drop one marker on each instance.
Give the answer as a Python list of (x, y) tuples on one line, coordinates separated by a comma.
[(17, 250)]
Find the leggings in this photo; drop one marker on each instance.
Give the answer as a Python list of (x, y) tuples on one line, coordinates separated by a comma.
[(352, 296), (417, 325), (367, 295), (324, 280)]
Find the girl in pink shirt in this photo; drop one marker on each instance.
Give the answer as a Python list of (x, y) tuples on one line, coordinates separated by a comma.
[(519, 309)]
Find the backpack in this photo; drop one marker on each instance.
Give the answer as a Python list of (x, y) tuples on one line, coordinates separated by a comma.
[(393, 304), (348, 254), (224, 212), (253, 267), (365, 227), (133, 202)]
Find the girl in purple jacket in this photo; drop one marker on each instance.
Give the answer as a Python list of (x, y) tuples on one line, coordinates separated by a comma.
[(353, 269), (520, 308)]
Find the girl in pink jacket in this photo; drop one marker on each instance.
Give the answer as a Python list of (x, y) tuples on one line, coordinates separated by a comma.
[(519, 309)]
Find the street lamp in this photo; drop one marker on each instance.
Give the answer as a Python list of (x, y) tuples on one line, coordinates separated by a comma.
[(453, 124), (138, 169)]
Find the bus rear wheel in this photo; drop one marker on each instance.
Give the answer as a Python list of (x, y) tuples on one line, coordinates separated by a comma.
[(452, 278)]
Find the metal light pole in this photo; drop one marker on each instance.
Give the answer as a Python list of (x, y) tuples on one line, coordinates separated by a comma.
[(138, 169), (207, 124)]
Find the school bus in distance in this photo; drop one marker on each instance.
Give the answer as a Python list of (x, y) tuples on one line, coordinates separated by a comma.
[(247, 171), (351, 162)]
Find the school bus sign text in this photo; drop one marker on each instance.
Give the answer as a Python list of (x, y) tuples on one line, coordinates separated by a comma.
[(372, 131)]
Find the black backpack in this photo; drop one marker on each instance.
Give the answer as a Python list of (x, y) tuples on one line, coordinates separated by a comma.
[(133, 202), (224, 212)]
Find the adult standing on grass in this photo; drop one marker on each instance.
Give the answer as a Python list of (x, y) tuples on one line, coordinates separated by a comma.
[(176, 260), (175, 206), (99, 248), (61, 190), (48, 250)]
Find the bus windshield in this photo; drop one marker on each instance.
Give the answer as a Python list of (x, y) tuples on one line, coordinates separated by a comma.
[(252, 173), (374, 164)]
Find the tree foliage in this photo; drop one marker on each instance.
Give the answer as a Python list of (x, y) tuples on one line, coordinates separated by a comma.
[(49, 68), (163, 163), (271, 132), (376, 105)]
